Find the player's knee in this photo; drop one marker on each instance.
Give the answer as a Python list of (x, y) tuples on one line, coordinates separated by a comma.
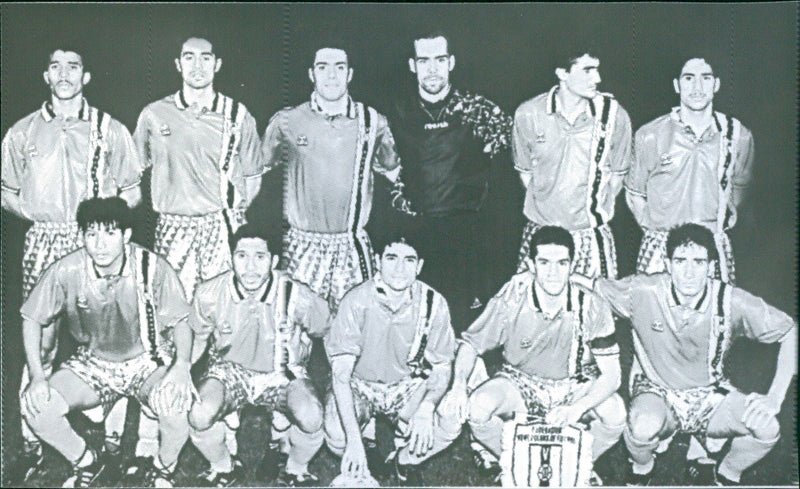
[(769, 431), (480, 407), (645, 425), (47, 412), (202, 416), (308, 416), (612, 411), (333, 431), (448, 427)]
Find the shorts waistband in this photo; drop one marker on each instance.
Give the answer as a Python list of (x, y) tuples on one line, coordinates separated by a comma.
[(55, 226)]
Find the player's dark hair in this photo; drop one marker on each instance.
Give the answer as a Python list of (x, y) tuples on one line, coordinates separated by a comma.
[(430, 34), (571, 53), (248, 231), (395, 240), (691, 233), (70, 47), (551, 235), (112, 212), (681, 58), (331, 42), (196, 35)]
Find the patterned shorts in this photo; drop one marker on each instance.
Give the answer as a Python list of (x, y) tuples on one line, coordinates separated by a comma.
[(653, 254), (195, 246), (542, 395), (46, 243), (595, 252), (387, 399), (692, 408), (245, 386), (114, 380), (330, 264)]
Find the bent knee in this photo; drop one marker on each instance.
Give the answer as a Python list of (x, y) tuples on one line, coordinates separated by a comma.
[(481, 407), (612, 411), (308, 416), (202, 416), (48, 411), (646, 425), (769, 431)]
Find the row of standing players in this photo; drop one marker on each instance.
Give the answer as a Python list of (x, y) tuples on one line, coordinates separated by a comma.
[(572, 147)]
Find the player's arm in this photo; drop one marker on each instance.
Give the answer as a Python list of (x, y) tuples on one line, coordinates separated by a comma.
[(786, 367), (521, 136), (619, 153), (354, 459), (618, 293), (491, 124), (635, 181), (743, 171), (274, 147), (12, 163), (250, 155), (125, 163)]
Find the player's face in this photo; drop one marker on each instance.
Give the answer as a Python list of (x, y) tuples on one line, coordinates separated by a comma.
[(582, 78), (400, 266), (330, 74), (65, 75), (432, 64), (198, 64), (552, 267), (252, 263), (105, 244), (689, 268), (696, 85)]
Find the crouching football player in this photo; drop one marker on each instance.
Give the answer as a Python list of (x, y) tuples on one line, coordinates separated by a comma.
[(254, 316), (560, 351), (390, 346), (683, 325), (125, 307)]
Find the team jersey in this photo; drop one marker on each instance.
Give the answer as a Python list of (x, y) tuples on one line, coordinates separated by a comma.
[(245, 326), (446, 148), (551, 348), (678, 172), (188, 146), (103, 312), (683, 346), (568, 186), (323, 154), (53, 163), (382, 338)]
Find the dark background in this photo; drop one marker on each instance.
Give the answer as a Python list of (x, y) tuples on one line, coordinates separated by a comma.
[(503, 51)]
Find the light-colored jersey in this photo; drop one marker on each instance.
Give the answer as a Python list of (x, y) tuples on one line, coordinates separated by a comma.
[(184, 145), (103, 312), (367, 327), (550, 348), (678, 172), (322, 154), (682, 346), (53, 163), (567, 186)]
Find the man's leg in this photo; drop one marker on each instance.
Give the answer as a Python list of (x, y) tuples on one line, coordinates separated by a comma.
[(495, 399), (649, 420), (305, 435), (749, 444), (207, 428), (67, 393), (332, 425), (607, 424)]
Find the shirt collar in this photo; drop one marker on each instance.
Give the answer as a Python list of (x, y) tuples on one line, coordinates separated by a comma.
[(180, 102), (554, 104), (701, 304), (350, 111), (125, 271), (48, 114), (383, 298), (535, 298), (264, 294), (675, 116)]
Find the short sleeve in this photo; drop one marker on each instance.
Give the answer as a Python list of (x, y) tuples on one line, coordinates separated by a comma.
[(521, 137), (310, 311), (643, 151), (201, 319), (619, 157), (490, 330), (600, 325), (743, 171), (344, 332), (757, 320), (171, 305), (618, 293), (250, 148), (491, 124), (441, 348), (273, 145), (48, 298), (384, 158), (13, 162), (141, 138), (123, 157)]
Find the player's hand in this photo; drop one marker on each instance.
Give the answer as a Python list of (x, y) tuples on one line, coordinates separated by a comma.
[(759, 410), (420, 429), (456, 403), (354, 460), (36, 395), (563, 415), (176, 392)]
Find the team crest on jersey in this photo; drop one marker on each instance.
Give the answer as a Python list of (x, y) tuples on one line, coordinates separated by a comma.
[(657, 326), (666, 159), (525, 343), (540, 137), (32, 151), (302, 141), (165, 130), (225, 327)]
